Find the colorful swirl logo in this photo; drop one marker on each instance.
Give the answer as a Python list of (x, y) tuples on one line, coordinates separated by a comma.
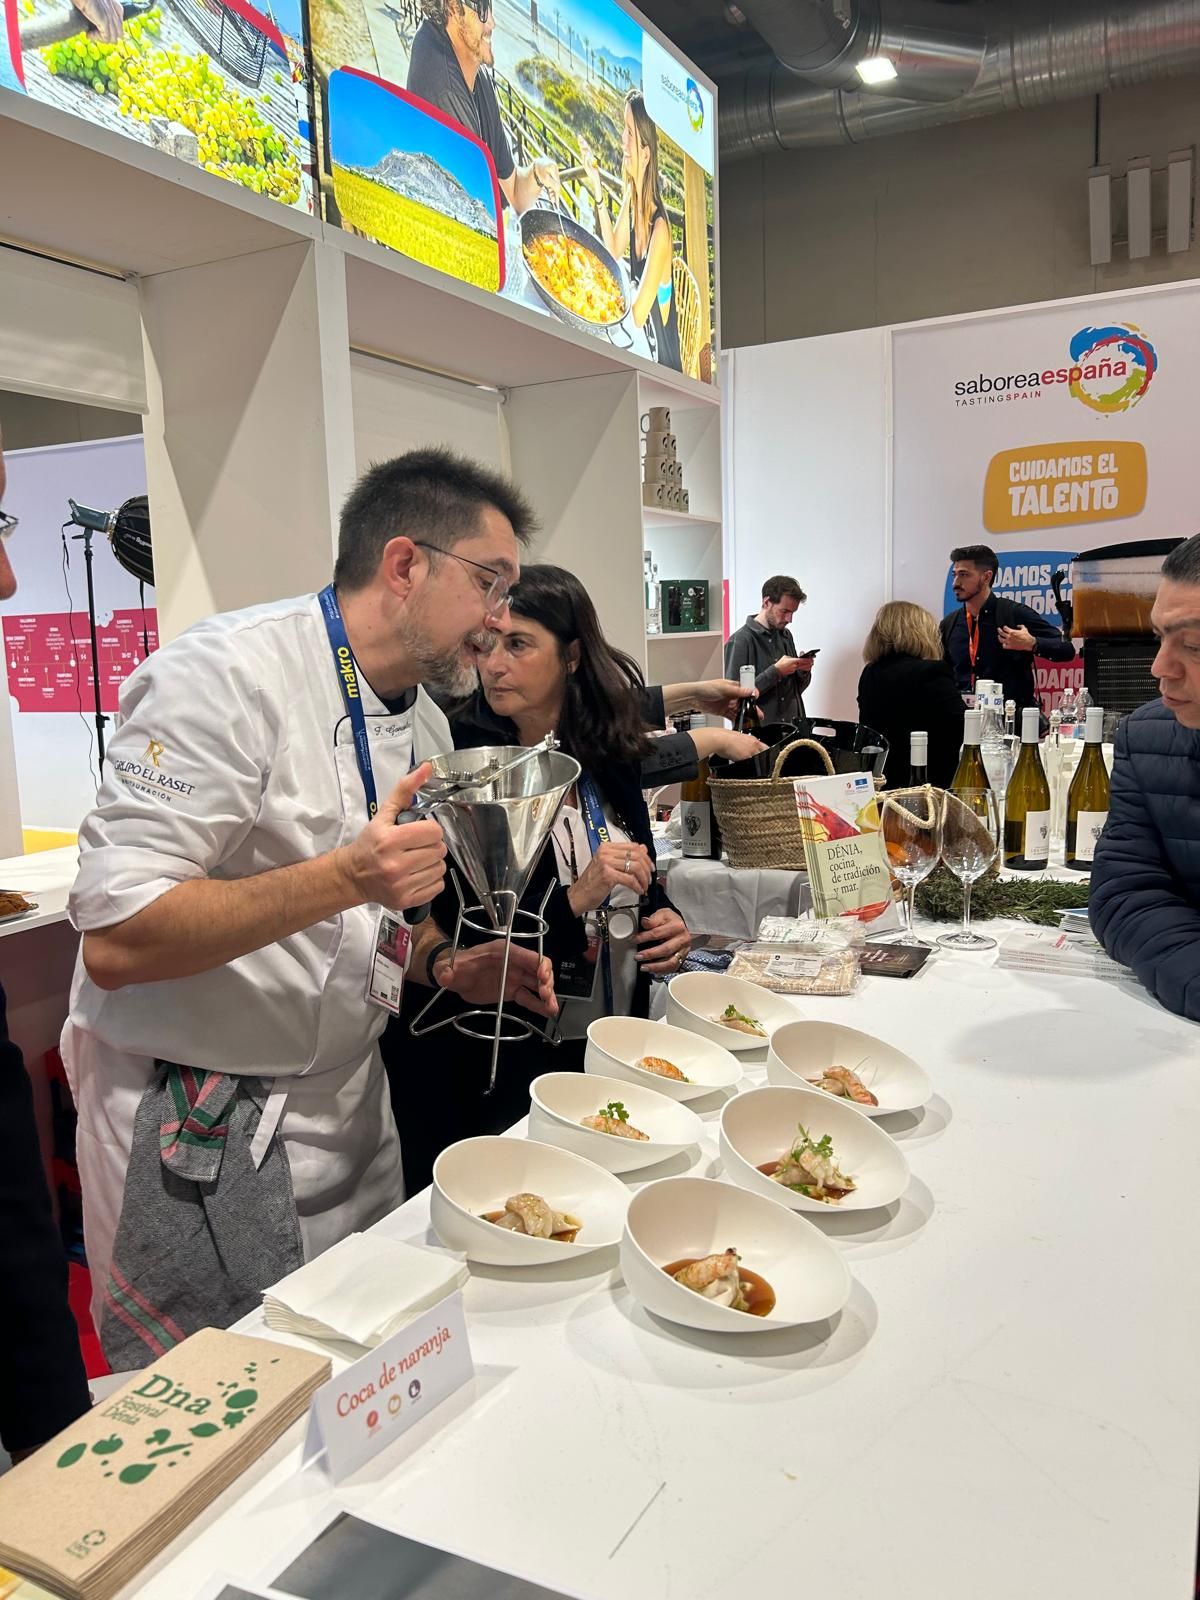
[(695, 105), (1121, 346)]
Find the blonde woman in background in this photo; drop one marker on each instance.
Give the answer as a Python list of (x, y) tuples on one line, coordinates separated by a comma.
[(905, 685)]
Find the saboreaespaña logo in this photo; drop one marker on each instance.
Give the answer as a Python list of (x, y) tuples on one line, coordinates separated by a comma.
[(695, 105), (1124, 349)]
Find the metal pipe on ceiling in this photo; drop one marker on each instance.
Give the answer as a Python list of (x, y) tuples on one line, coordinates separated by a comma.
[(1032, 55)]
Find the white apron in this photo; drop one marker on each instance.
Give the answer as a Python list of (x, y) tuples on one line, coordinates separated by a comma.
[(233, 756)]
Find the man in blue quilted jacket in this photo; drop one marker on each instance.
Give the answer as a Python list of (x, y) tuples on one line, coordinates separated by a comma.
[(1145, 894)]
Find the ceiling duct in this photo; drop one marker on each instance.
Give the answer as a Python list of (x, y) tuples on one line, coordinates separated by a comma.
[(1031, 55)]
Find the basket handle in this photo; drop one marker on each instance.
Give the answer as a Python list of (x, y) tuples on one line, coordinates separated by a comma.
[(803, 744)]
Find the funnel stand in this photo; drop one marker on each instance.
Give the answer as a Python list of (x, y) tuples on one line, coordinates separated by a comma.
[(496, 1019)]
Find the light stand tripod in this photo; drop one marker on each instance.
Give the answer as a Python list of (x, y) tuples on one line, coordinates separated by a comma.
[(101, 719)]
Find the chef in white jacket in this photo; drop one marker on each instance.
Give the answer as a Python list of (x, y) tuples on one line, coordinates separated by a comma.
[(244, 840)]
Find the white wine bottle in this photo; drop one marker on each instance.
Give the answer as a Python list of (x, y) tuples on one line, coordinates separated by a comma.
[(970, 772), (918, 758), (1087, 799), (1027, 804)]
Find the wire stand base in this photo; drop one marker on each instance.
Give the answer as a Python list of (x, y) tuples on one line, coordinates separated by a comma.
[(501, 1028)]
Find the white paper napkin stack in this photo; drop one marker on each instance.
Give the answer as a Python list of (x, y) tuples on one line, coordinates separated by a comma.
[(362, 1290)]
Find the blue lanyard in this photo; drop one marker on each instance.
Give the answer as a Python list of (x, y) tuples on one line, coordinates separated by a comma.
[(347, 676), (597, 831)]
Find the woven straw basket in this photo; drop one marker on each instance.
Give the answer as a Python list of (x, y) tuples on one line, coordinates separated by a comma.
[(758, 818)]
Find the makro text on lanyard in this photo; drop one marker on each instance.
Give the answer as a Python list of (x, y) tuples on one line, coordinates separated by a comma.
[(347, 676)]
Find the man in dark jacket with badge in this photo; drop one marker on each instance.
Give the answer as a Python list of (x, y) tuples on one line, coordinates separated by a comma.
[(990, 636), (1145, 894)]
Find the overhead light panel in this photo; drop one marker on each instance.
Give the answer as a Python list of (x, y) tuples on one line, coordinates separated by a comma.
[(1137, 206), (876, 69), (1100, 215), (1179, 201)]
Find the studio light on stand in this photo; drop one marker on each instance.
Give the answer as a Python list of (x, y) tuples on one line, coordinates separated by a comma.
[(128, 531)]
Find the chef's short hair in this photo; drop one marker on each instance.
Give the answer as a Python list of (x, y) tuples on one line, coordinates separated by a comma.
[(981, 556), (1183, 563), (433, 496)]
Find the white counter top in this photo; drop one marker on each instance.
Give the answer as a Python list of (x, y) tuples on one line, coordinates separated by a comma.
[(45, 877), (1009, 1404)]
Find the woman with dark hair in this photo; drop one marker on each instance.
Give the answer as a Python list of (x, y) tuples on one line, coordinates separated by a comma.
[(611, 926), (641, 227)]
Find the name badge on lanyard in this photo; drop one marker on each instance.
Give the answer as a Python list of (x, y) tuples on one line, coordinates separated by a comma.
[(385, 981)]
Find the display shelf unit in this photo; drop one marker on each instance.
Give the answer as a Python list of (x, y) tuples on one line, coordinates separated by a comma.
[(688, 544)]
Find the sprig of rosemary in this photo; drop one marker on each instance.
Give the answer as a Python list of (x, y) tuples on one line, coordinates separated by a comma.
[(940, 899)]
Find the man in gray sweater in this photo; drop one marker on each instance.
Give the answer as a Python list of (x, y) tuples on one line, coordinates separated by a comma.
[(765, 642)]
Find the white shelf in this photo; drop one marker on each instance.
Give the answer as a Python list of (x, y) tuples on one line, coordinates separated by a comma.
[(658, 638), (652, 515)]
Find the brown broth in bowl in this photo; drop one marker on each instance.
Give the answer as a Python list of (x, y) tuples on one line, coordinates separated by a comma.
[(760, 1297)]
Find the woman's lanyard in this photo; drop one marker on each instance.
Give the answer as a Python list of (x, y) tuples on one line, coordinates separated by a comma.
[(972, 640), (347, 676)]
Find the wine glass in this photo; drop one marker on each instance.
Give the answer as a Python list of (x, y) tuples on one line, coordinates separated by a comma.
[(970, 844), (910, 823)]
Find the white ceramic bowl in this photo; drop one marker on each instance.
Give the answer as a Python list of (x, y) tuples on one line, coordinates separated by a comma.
[(478, 1175), (694, 998), (616, 1044), (679, 1218), (759, 1126), (802, 1050), (560, 1101)]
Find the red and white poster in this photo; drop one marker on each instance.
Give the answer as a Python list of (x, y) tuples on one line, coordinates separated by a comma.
[(48, 657)]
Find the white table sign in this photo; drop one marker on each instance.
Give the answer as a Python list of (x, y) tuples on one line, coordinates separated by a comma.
[(364, 1408)]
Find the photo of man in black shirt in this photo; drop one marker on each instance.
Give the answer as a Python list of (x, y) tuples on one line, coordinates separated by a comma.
[(451, 70)]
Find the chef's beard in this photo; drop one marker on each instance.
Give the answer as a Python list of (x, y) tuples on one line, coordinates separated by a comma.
[(448, 674)]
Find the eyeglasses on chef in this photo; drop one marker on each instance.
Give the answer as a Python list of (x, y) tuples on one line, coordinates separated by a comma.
[(496, 596), (8, 525), (481, 8)]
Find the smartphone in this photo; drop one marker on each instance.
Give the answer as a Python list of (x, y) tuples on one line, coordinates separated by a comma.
[(808, 652)]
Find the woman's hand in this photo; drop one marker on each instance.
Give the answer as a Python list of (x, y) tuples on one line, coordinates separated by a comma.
[(591, 171), (474, 976), (666, 942), (613, 866)]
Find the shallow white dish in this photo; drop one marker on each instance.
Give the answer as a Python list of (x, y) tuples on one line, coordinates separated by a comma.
[(694, 998), (759, 1126), (679, 1218), (616, 1044), (560, 1101), (802, 1050), (477, 1175)]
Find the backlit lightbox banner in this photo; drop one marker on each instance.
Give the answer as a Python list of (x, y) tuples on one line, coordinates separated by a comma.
[(220, 84), (555, 154)]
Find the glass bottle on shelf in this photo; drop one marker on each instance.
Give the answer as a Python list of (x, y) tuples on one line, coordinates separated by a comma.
[(1027, 804), (653, 597)]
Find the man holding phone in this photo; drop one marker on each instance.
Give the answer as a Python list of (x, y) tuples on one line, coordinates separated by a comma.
[(765, 642)]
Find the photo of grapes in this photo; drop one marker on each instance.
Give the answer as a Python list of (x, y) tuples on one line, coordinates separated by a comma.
[(217, 83)]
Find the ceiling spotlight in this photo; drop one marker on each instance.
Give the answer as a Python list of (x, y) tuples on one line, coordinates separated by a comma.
[(876, 69)]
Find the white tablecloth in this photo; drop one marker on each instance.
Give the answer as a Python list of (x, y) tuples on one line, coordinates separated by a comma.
[(1008, 1405)]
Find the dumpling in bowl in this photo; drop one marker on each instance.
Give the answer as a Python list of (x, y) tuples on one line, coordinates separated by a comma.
[(529, 1213), (662, 1068), (716, 1278)]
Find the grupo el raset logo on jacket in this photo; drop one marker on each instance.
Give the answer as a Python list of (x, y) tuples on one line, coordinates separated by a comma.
[(1109, 369)]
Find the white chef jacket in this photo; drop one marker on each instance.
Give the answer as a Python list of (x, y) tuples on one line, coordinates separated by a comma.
[(234, 755)]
